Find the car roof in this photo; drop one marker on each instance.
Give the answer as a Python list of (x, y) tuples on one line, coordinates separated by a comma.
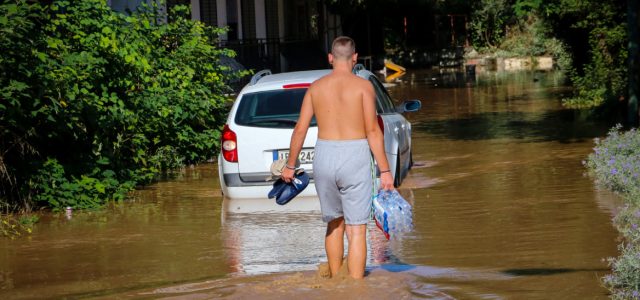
[(277, 81)]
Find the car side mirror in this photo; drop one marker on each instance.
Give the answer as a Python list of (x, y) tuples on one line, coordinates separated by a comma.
[(409, 106)]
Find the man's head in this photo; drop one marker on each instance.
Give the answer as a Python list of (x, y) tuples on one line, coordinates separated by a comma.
[(343, 49)]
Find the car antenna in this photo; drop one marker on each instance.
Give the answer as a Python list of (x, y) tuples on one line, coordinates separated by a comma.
[(259, 76)]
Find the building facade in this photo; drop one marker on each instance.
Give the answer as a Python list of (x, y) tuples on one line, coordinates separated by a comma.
[(281, 35)]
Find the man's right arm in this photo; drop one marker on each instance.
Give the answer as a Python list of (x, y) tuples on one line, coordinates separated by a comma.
[(298, 136), (374, 136)]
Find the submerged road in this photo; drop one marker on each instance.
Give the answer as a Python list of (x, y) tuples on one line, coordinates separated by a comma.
[(502, 209)]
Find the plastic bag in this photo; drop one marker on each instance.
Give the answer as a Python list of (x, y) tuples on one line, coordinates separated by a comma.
[(392, 213)]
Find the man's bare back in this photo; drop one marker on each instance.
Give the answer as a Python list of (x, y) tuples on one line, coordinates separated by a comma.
[(337, 101)]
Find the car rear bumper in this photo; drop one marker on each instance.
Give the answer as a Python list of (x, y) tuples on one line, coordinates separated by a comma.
[(250, 205), (251, 179)]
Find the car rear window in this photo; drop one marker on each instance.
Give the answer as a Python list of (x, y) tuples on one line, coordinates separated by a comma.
[(271, 109)]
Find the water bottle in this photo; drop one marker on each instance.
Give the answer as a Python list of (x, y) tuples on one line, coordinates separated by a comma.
[(381, 214), (393, 214), (402, 213)]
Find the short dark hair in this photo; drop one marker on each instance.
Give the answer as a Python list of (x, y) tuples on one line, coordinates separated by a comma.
[(343, 47)]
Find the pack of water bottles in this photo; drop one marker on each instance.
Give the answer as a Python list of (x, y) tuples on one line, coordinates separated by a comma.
[(392, 213)]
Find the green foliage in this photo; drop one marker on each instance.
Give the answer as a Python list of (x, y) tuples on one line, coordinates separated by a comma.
[(561, 55), (94, 102), (614, 164), (52, 186), (530, 28), (625, 279), (525, 8), (527, 38), (13, 227), (533, 37), (517, 30), (604, 78), (488, 21)]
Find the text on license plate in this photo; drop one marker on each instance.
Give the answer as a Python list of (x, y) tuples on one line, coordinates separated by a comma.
[(305, 157)]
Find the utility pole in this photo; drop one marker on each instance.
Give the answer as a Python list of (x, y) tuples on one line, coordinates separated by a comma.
[(634, 62)]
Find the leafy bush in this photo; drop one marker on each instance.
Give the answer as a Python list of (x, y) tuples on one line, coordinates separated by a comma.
[(527, 38), (615, 164), (517, 30), (603, 79), (13, 226), (95, 102), (533, 37), (488, 19), (624, 280)]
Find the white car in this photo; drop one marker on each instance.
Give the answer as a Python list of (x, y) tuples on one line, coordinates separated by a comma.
[(261, 120)]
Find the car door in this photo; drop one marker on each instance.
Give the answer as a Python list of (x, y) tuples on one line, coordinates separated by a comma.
[(395, 136)]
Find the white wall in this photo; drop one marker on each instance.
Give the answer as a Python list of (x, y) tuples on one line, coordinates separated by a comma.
[(261, 19), (239, 6), (281, 19), (221, 14), (221, 10), (195, 10)]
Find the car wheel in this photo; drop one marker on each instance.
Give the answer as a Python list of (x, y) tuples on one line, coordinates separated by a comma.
[(398, 178)]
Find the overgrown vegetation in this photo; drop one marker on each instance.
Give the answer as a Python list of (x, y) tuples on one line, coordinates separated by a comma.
[(614, 164), (519, 29), (95, 102), (603, 77), (536, 27), (15, 226), (488, 22)]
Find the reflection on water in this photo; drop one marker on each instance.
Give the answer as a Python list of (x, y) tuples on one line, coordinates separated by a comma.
[(502, 210), (268, 243), (261, 239)]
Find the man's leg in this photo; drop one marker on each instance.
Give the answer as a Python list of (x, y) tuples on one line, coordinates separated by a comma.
[(357, 256), (334, 244)]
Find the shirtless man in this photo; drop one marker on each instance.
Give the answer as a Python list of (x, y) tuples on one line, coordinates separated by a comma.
[(348, 132)]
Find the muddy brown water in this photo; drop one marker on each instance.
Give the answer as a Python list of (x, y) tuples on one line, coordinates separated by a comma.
[(502, 211)]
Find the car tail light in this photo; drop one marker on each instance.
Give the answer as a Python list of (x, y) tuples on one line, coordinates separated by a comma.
[(296, 86), (229, 144), (381, 124)]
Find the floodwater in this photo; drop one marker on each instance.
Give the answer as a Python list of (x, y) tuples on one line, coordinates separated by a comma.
[(502, 210)]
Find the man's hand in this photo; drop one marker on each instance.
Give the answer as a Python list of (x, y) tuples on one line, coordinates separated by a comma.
[(386, 181), (287, 174)]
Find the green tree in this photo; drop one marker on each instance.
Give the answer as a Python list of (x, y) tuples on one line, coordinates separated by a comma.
[(95, 102), (488, 20), (603, 78)]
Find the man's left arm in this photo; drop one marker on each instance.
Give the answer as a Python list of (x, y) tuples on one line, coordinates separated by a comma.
[(298, 136), (375, 136)]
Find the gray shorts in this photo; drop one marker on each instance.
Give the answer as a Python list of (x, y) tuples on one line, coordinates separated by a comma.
[(342, 170)]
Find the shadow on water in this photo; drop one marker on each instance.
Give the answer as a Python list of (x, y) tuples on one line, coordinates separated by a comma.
[(546, 271), (395, 268), (557, 125)]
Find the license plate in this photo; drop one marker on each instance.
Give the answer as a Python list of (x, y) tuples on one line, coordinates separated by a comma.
[(305, 157)]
